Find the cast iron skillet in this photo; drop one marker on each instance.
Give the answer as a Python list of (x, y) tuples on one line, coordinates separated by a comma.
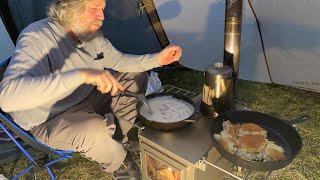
[(170, 125), (280, 131)]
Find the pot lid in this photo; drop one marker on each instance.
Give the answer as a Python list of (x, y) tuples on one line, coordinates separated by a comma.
[(219, 68)]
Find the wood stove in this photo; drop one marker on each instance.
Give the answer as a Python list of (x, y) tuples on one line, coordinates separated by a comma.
[(187, 153), (180, 154)]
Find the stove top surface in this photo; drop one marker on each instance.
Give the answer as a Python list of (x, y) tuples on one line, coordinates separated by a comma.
[(191, 142)]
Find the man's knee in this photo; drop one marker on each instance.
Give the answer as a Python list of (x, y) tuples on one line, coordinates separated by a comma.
[(102, 148), (96, 128), (106, 151)]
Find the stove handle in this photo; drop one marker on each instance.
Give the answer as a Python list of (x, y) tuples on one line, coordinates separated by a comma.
[(203, 159), (140, 128)]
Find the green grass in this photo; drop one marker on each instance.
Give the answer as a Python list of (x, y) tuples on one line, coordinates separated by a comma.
[(281, 101)]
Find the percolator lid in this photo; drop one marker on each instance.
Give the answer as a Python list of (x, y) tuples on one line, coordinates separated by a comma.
[(219, 68)]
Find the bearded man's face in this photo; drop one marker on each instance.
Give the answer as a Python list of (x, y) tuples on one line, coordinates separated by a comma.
[(86, 26)]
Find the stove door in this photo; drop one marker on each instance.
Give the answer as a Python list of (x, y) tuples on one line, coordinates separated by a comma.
[(158, 170), (157, 165)]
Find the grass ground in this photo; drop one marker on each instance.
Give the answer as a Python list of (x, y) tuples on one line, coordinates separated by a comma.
[(281, 101)]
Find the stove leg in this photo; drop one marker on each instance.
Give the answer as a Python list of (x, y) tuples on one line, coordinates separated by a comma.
[(239, 169), (216, 161), (246, 177), (268, 175)]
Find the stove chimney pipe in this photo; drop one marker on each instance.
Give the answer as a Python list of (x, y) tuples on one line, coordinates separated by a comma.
[(232, 38)]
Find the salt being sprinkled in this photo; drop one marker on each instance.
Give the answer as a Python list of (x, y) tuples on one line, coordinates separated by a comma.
[(167, 109)]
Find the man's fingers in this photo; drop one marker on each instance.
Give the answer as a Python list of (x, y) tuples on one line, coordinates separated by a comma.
[(115, 84), (174, 48), (99, 88), (178, 52), (103, 87), (121, 87), (175, 52), (107, 84), (115, 88), (177, 55)]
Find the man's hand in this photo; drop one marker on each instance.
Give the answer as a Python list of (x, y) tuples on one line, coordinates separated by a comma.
[(169, 55), (104, 80)]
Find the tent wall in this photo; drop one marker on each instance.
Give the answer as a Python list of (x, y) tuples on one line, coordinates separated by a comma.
[(199, 29), (291, 32), (24, 12), (127, 30), (7, 20), (6, 45)]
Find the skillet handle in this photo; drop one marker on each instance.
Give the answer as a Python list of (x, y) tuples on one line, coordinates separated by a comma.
[(300, 119), (194, 118), (245, 105)]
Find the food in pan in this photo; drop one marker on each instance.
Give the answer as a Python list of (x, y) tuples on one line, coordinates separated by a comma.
[(249, 147), (251, 129), (249, 141), (274, 152), (227, 137), (167, 109), (226, 142)]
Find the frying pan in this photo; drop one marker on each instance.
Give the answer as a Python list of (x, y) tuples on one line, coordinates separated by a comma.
[(170, 125), (280, 131)]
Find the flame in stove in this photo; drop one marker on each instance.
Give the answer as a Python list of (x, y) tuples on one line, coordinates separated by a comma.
[(158, 170)]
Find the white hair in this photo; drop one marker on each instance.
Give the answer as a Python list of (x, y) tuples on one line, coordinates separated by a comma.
[(66, 11)]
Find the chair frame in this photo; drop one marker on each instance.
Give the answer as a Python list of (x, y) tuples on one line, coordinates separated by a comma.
[(7, 123)]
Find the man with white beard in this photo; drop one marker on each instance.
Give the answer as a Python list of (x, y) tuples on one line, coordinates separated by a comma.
[(62, 82)]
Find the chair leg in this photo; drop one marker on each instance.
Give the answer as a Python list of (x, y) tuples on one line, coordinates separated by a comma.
[(26, 170), (14, 164), (57, 160), (50, 173), (62, 156), (47, 166), (18, 144)]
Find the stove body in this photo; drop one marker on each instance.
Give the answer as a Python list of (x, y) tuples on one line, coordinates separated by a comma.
[(179, 154)]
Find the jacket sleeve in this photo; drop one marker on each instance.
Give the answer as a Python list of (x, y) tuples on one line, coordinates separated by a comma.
[(122, 62), (28, 82)]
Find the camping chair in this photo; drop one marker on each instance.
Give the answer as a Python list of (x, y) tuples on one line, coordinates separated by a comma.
[(6, 124)]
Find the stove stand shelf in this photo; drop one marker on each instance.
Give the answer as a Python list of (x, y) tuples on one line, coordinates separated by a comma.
[(232, 171)]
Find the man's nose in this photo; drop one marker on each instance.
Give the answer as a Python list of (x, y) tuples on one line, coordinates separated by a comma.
[(100, 15)]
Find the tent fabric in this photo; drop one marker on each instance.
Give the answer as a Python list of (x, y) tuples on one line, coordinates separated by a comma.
[(199, 29), (6, 45), (24, 12), (290, 33), (7, 20), (129, 31)]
